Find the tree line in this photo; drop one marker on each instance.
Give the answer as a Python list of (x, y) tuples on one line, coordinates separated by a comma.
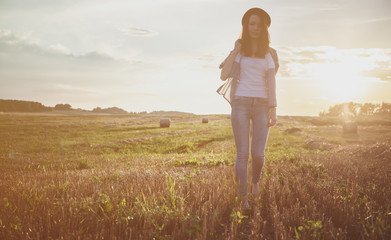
[(358, 109), (30, 106), (22, 106)]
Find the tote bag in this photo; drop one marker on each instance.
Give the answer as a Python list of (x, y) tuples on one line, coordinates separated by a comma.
[(228, 89)]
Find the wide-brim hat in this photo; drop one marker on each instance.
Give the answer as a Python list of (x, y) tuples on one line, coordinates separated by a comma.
[(257, 11)]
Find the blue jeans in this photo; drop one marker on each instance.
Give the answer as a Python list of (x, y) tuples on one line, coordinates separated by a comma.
[(243, 110)]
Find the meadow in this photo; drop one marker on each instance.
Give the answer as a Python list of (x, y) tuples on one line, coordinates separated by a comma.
[(124, 177)]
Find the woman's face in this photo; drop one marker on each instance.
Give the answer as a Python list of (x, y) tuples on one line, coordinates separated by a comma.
[(254, 26)]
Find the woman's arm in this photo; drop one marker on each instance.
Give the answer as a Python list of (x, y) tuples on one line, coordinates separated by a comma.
[(271, 77), (228, 62), (272, 116), (271, 81)]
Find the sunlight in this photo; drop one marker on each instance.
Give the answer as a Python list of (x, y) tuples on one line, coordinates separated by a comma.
[(341, 79)]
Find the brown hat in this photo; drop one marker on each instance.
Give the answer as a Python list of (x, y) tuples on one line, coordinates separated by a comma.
[(257, 11)]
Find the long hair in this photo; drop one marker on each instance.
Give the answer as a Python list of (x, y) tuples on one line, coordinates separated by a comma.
[(262, 43)]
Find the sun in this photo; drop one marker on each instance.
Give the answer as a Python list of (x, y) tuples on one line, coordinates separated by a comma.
[(339, 80)]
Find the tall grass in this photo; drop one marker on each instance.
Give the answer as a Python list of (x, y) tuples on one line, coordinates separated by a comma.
[(119, 177)]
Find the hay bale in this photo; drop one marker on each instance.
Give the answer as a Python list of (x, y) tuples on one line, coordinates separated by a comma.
[(349, 128), (164, 122), (205, 120)]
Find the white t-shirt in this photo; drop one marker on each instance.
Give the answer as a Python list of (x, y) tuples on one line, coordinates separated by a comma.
[(252, 80)]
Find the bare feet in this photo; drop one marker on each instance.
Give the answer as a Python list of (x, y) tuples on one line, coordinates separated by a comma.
[(255, 189), (246, 204)]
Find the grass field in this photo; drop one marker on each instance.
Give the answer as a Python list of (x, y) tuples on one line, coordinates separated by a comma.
[(124, 177)]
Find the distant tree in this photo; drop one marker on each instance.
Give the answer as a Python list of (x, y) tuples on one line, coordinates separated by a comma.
[(351, 108), (322, 113), (357, 109), (63, 107), (335, 110), (384, 109), (97, 110), (22, 106), (111, 110), (367, 109)]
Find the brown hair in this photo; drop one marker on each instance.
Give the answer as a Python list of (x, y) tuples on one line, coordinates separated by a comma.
[(263, 40)]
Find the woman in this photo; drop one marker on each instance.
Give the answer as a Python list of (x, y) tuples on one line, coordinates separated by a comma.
[(254, 96)]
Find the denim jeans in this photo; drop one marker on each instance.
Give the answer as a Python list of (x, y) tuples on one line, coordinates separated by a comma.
[(243, 110)]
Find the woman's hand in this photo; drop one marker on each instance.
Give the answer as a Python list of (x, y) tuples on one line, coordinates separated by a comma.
[(238, 45), (272, 117), (226, 65)]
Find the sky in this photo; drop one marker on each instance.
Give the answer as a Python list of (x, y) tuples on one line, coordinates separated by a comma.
[(164, 55)]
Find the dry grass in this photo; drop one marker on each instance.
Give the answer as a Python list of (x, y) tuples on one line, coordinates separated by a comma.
[(123, 177)]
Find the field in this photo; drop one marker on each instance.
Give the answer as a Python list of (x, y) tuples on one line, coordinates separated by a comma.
[(124, 177)]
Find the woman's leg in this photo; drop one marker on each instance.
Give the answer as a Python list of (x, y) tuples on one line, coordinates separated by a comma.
[(240, 120), (259, 138)]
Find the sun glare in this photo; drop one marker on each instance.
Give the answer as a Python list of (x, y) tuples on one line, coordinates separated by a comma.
[(341, 79)]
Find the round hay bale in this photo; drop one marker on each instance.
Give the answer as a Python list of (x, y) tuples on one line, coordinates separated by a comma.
[(164, 122), (205, 120), (349, 128)]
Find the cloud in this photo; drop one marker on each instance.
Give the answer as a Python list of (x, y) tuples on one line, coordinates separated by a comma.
[(55, 72), (12, 38), (210, 60), (64, 90), (377, 20), (383, 74), (137, 32), (25, 44), (299, 61), (207, 57), (352, 22), (59, 48), (27, 56)]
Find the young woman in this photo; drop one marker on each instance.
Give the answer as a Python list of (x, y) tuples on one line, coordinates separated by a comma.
[(254, 96)]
